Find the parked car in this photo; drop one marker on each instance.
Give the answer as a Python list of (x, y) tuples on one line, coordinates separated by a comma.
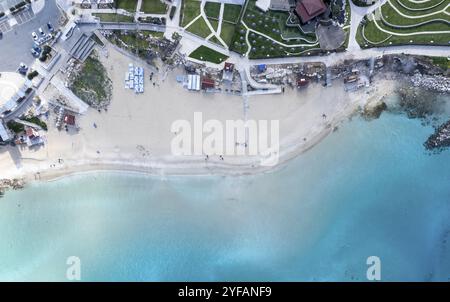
[(37, 48), (22, 68), (34, 35), (41, 31), (50, 27)]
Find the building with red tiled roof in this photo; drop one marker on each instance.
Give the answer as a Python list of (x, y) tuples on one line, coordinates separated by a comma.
[(309, 9), (69, 119), (228, 66), (208, 83)]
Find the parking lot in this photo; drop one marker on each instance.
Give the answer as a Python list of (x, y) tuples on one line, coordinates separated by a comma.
[(20, 18), (4, 26), (24, 16), (17, 41), (6, 4)]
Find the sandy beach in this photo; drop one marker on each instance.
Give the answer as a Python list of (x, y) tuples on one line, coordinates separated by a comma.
[(135, 133)]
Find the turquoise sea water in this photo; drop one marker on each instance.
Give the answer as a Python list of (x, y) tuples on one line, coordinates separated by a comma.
[(369, 189)]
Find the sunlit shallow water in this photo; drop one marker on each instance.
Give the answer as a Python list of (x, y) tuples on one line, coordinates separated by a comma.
[(369, 189)]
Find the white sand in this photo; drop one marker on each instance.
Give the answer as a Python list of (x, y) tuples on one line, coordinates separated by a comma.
[(135, 132)]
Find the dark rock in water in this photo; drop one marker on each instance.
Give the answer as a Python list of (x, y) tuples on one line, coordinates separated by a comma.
[(14, 184), (419, 103), (374, 111), (440, 139)]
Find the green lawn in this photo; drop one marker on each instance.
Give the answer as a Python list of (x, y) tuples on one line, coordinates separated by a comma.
[(395, 23), (199, 28), (238, 43), (189, 11), (214, 23), (114, 18), (348, 12), (424, 5), (391, 16), (373, 34), (204, 53), (262, 48), (442, 62), (215, 40), (227, 32), (231, 12), (128, 5), (153, 7), (415, 10), (212, 9)]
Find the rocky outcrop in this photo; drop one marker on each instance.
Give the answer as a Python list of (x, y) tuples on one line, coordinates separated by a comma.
[(440, 139), (14, 184), (373, 110), (435, 83), (419, 103)]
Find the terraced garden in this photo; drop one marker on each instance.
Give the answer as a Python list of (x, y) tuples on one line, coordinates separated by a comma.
[(267, 34), (400, 22), (248, 30)]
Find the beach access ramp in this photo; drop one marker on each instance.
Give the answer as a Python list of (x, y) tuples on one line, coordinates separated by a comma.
[(261, 88), (75, 101)]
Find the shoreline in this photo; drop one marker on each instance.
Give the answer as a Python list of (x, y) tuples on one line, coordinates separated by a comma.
[(196, 167), (187, 167), (174, 168), (144, 146)]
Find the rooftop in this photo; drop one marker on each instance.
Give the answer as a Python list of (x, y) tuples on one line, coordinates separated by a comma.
[(10, 84), (309, 9)]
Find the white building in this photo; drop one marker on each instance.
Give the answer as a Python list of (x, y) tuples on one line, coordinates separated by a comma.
[(282, 5), (278, 5), (193, 82), (5, 134), (13, 88)]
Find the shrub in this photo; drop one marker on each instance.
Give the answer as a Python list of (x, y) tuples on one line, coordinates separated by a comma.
[(15, 127), (20, 4), (32, 75), (173, 9), (37, 121), (46, 50)]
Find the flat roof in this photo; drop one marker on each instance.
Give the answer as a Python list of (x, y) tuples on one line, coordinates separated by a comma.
[(10, 85), (4, 135)]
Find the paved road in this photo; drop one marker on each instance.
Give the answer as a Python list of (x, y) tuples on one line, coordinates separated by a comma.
[(16, 43), (357, 14)]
